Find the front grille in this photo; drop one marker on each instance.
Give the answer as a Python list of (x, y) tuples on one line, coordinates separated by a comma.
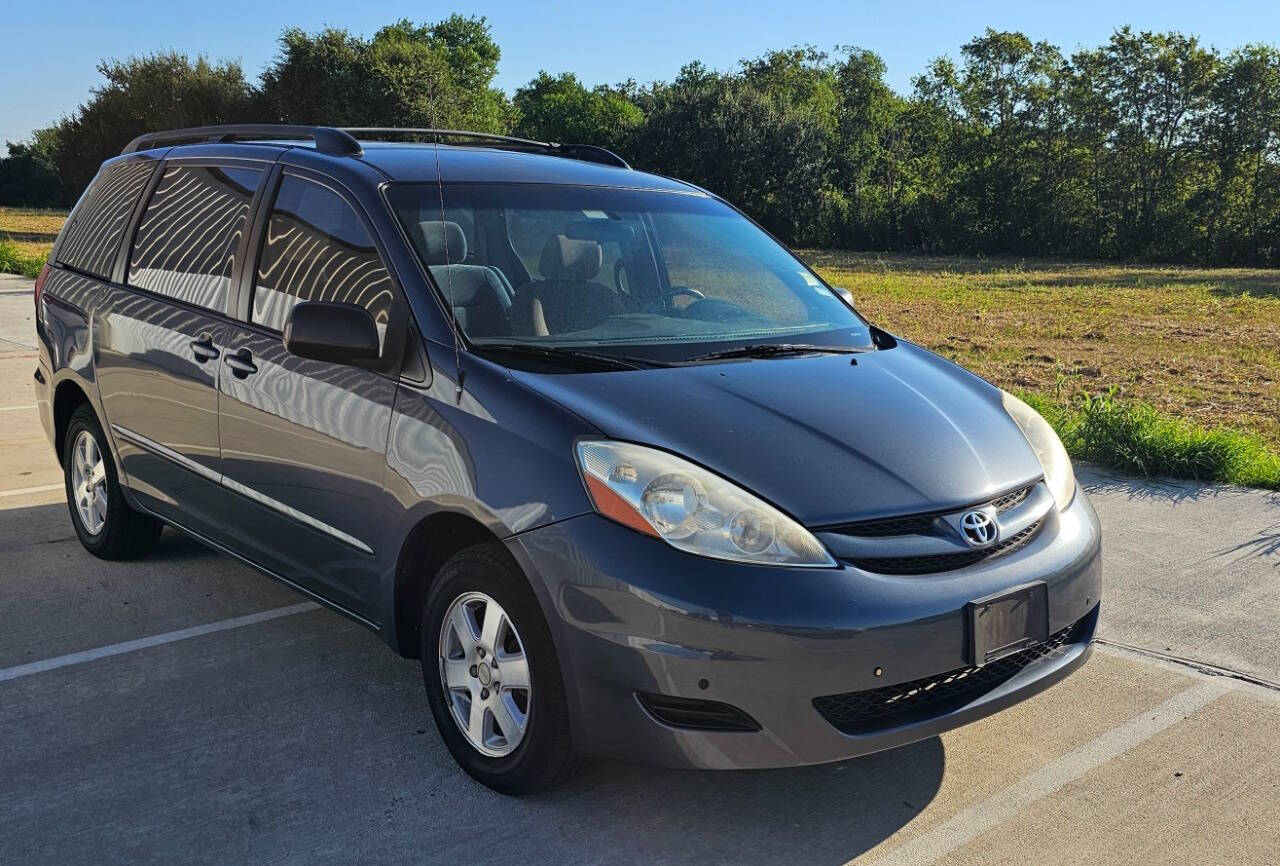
[(1004, 503), (946, 561), (919, 524), (911, 524), (878, 709)]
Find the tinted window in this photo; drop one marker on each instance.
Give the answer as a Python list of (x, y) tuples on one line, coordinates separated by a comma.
[(190, 234), (92, 236), (317, 249)]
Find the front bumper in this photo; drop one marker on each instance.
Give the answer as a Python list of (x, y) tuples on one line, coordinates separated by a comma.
[(631, 614)]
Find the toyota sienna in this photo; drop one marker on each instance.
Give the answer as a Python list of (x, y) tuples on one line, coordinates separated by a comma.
[(625, 474)]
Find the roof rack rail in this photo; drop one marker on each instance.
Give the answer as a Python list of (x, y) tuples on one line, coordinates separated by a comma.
[(327, 138), (584, 152)]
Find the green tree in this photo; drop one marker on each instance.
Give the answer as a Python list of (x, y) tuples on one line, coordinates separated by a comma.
[(869, 155), (742, 140), (411, 75), (1005, 145), (1154, 87), (560, 108), (29, 174), (1239, 135), (159, 91)]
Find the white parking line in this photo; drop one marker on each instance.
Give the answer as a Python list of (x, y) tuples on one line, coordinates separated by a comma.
[(16, 408), (129, 646), (21, 491), (968, 825)]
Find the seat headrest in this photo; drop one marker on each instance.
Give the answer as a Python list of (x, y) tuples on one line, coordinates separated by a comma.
[(442, 243), (565, 258)]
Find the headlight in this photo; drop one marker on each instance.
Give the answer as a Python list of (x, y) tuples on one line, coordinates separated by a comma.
[(1048, 447), (691, 508)]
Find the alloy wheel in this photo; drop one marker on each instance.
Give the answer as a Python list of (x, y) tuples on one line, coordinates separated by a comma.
[(89, 482), (485, 674)]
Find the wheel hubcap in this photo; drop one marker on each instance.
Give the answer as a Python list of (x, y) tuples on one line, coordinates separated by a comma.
[(485, 674), (89, 482)]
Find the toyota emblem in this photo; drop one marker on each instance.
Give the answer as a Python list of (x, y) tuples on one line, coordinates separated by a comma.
[(978, 528)]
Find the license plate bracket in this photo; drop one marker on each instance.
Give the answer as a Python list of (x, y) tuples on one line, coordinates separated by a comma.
[(1007, 621)]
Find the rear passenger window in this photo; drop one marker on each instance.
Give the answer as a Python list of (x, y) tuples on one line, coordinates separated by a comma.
[(317, 249), (92, 237), (189, 236)]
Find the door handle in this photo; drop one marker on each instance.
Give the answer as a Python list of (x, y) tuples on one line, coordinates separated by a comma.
[(203, 349), (241, 363)]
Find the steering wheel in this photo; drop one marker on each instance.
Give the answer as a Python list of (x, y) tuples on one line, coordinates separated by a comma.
[(664, 300)]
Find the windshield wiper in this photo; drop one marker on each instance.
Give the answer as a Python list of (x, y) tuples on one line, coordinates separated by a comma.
[(773, 350), (576, 357)]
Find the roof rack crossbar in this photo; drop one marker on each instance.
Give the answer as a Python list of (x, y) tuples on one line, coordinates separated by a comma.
[(585, 152), (326, 138)]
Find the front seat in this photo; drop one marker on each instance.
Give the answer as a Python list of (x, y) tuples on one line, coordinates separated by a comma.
[(565, 299), (477, 294)]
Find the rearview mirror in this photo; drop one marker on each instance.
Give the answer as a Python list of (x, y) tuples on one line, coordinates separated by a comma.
[(331, 331)]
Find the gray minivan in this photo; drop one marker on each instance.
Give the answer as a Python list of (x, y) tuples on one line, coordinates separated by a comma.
[(624, 473)]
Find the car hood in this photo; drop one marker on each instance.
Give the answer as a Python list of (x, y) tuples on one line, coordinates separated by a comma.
[(827, 438)]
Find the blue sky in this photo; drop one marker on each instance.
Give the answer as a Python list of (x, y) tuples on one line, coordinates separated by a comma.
[(47, 63)]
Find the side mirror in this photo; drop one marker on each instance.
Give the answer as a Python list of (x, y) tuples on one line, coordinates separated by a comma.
[(331, 331), (845, 294)]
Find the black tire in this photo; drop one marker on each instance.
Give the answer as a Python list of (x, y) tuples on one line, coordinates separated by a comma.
[(125, 533), (545, 755)]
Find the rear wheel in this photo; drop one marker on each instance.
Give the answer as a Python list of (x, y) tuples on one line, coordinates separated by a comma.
[(492, 675), (106, 524)]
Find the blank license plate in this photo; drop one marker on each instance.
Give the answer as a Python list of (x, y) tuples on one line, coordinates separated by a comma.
[(1004, 623)]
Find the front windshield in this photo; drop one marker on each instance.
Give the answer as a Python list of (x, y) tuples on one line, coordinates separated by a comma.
[(662, 274)]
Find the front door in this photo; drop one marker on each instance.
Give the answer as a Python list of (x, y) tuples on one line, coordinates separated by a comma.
[(162, 334), (303, 442)]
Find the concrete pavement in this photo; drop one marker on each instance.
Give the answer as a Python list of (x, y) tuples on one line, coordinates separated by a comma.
[(1192, 570), (301, 738)]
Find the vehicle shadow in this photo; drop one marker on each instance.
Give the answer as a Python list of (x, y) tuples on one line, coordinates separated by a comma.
[(47, 524), (824, 814), (177, 546)]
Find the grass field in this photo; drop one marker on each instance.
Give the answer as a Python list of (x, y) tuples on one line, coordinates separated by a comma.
[(1153, 369), (26, 236), (31, 221), (1197, 344)]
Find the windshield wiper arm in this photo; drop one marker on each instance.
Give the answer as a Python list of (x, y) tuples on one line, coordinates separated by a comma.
[(565, 353), (772, 350)]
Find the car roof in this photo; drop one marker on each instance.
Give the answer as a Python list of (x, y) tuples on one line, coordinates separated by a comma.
[(423, 162), (416, 162)]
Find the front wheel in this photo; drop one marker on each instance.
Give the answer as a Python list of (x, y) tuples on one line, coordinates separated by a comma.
[(105, 523), (492, 675)]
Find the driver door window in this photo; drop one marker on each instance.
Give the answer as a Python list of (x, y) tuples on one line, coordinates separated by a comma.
[(317, 249)]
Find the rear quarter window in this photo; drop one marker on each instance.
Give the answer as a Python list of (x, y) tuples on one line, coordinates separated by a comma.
[(92, 236)]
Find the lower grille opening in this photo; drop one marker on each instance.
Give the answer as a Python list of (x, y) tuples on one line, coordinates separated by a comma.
[(697, 715), (874, 710)]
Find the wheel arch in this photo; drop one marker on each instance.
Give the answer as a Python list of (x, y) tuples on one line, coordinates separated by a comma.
[(67, 398), (429, 545)]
